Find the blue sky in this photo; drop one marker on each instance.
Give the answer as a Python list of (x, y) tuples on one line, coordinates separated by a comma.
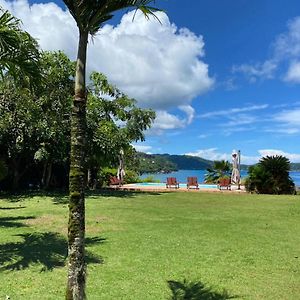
[(222, 75)]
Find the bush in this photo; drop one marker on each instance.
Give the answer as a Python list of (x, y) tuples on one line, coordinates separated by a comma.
[(270, 176), (149, 179), (131, 177), (104, 175)]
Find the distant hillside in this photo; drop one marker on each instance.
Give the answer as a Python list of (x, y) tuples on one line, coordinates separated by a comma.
[(186, 162), (295, 166), (156, 163)]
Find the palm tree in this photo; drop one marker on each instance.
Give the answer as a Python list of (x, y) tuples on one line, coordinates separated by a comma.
[(271, 176), (219, 169), (89, 16), (19, 53)]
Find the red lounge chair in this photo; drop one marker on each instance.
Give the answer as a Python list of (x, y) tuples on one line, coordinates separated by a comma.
[(172, 182), (224, 183), (192, 182), (114, 181)]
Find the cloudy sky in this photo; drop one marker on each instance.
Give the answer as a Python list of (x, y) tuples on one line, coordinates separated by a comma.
[(221, 75)]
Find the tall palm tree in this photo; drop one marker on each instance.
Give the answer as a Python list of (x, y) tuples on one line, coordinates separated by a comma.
[(89, 16), (19, 53)]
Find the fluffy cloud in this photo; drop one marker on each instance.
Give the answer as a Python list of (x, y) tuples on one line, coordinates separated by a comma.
[(158, 64)]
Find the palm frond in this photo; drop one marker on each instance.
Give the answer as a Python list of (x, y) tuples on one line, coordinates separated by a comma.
[(90, 15)]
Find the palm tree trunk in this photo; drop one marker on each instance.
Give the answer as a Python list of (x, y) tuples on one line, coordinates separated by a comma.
[(76, 226)]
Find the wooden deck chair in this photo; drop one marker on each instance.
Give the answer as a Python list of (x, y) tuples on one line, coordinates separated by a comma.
[(192, 182), (114, 181), (224, 183), (172, 182)]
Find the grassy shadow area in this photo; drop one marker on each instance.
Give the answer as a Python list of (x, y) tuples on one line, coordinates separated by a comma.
[(48, 249), (11, 221), (186, 290), (61, 196)]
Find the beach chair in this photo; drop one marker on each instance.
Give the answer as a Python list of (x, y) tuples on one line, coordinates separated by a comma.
[(192, 182), (224, 183), (172, 182), (114, 181)]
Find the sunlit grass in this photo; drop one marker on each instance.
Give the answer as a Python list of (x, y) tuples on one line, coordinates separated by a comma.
[(239, 245)]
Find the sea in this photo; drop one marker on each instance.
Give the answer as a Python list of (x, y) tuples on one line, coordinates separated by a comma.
[(182, 175)]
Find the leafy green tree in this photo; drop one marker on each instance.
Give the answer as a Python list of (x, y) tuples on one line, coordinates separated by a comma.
[(270, 176), (220, 169), (20, 116), (54, 97), (89, 16), (113, 122), (19, 53)]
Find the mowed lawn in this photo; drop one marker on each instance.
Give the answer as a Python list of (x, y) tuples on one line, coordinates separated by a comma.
[(241, 245)]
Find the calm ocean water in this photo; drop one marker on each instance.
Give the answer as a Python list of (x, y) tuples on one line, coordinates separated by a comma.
[(181, 175)]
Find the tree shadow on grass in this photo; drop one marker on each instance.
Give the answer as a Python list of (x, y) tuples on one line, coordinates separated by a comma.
[(120, 193), (11, 221), (11, 208), (48, 249), (186, 290)]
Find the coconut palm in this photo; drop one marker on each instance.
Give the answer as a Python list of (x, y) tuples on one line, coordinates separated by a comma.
[(89, 16), (19, 53), (219, 169)]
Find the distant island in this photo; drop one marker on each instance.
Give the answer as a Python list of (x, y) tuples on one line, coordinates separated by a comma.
[(166, 163)]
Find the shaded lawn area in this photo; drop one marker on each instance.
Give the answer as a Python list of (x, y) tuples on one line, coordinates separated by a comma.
[(208, 246)]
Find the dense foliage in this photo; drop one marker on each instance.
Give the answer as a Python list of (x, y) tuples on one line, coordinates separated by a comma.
[(35, 126), (270, 176)]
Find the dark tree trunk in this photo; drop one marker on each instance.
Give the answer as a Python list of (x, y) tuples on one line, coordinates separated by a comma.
[(76, 226), (48, 175)]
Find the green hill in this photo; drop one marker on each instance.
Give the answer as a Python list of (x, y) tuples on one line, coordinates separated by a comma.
[(165, 163)]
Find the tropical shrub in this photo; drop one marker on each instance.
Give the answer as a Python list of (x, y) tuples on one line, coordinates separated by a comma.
[(220, 169), (104, 174), (131, 177), (270, 176)]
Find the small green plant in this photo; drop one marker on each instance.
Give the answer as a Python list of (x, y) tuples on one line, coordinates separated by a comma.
[(149, 179)]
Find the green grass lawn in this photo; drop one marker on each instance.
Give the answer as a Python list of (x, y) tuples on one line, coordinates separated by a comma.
[(246, 246)]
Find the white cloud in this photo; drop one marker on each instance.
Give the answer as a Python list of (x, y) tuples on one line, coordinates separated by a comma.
[(293, 73), (190, 112), (158, 64), (214, 154), (293, 157), (289, 117), (286, 48), (165, 120), (256, 71), (142, 148), (230, 111), (210, 154)]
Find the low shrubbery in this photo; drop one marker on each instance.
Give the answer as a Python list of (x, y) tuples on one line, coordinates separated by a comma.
[(270, 176)]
